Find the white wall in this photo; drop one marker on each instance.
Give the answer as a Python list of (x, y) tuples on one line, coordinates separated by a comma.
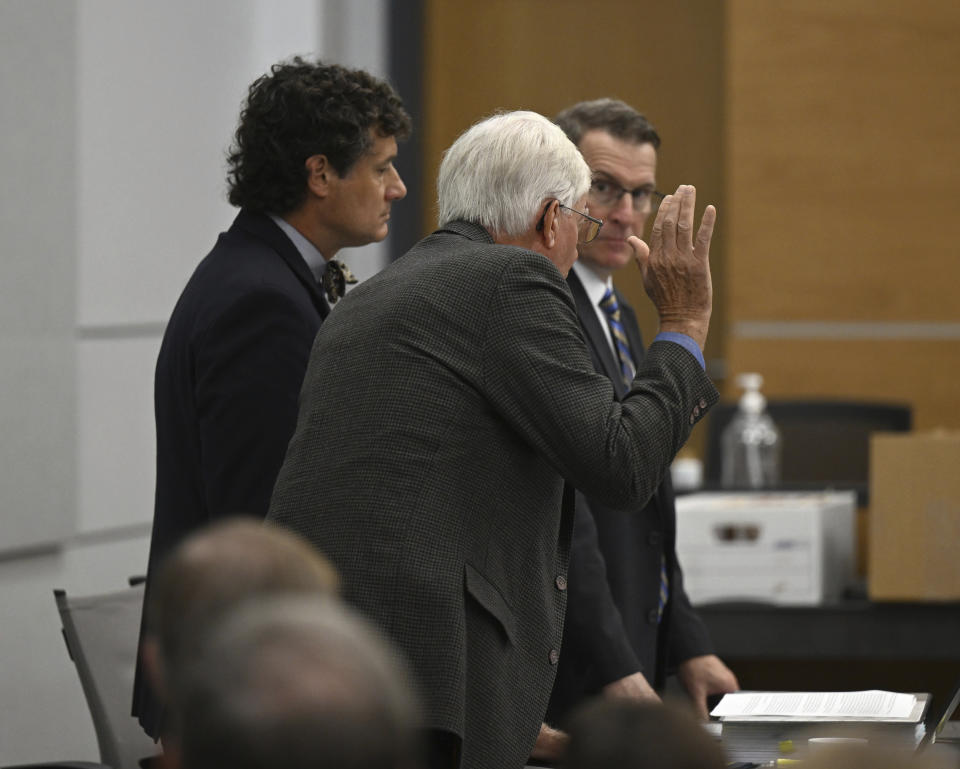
[(115, 116), (38, 183)]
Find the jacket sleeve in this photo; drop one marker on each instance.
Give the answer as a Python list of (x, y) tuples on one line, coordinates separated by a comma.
[(689, 636), (594, 634), (538, 375)]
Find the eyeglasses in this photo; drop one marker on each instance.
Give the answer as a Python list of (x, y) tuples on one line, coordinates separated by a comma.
[(606, 192), (587, 228)]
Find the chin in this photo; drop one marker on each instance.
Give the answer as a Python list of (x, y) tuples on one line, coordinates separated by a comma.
[(610, 258), (618, 255)]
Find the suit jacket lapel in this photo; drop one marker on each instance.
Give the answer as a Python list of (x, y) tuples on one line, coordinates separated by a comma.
[(596, 339), (263, 228)]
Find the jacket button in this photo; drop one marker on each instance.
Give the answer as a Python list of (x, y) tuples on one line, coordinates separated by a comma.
[(703, 403), (561, 582), (554, 656), (652, 616), (654, 538), (692, 419)]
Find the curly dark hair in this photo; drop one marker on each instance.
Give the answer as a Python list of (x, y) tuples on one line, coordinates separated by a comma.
[(615, 117), (300, 109)]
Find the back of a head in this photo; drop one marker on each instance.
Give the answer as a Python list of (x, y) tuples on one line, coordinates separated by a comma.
[(620, 734), (498, 172), (297, 683), (301, 109), (220, 566)]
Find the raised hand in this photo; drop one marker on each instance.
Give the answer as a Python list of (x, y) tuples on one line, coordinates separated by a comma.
[(676, 266)]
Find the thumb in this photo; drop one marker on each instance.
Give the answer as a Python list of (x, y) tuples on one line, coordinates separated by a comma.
[(700, 704), (641, 252), (702, 711)]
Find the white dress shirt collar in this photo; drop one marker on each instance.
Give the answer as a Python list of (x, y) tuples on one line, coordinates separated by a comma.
[(596, 287), (310, 253)]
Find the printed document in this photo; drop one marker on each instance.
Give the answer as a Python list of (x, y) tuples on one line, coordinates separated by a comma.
[(866, 705)]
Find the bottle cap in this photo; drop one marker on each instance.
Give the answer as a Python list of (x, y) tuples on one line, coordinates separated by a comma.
[(752, 401)]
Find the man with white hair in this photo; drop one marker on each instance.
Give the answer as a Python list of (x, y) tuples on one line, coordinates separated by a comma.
[(447, 402)]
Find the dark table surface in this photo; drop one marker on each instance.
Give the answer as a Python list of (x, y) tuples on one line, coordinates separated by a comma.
[(848, 630), (853, 645)]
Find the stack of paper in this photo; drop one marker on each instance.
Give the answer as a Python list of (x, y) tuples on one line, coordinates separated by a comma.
[(762, 726)]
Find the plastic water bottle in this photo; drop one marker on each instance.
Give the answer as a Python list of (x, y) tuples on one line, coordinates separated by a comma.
[(751, 442)]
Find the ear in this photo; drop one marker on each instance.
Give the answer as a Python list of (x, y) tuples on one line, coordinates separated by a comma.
[(551, 225), (319, 175)]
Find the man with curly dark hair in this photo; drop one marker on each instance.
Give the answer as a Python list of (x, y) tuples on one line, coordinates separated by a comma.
[(311, 170)]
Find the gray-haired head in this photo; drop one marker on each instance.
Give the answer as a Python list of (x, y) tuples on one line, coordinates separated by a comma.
[(297, 682), (499, 171), (616, 117), (220, 566)]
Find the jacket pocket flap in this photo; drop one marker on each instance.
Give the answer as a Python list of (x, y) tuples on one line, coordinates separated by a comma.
[(490, 598)]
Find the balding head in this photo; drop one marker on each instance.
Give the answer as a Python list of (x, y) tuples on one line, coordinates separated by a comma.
[(217, 568), (295, 682)]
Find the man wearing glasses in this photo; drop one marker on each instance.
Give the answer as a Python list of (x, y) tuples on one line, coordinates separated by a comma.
[(629, 620), (450, 406)]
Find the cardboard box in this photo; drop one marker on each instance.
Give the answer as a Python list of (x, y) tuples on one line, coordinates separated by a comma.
[(914, 519), (792, 548)]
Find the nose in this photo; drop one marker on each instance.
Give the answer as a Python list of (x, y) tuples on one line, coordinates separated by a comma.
[(622, 211), (396, 189)]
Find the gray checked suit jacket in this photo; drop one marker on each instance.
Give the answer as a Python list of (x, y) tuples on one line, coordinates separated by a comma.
[(446, 402)]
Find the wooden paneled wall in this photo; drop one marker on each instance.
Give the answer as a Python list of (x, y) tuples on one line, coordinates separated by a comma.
[(663, 58), (842, 185), (826, 131)]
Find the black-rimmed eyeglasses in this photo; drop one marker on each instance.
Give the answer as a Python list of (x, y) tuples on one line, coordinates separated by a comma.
[(606, 192), (587, 228)]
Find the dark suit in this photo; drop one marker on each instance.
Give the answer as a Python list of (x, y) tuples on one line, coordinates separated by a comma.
[(612, 628), (446, 401), (227, 381)]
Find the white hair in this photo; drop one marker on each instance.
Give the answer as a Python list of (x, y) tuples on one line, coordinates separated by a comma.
[(499, 171)]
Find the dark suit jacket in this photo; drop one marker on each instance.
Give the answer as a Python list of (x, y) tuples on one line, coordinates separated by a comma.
[(227, 382), (612, 629), (446, 402)]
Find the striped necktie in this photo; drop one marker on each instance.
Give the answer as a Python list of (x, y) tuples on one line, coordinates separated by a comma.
[(664, 588), (611, 307)]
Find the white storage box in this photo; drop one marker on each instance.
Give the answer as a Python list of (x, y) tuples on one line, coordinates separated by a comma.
[(783, 547)]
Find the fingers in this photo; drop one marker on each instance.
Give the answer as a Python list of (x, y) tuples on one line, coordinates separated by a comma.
[(704, 235), (698, 696), (663, 235), (687, 195), (674, 224)]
